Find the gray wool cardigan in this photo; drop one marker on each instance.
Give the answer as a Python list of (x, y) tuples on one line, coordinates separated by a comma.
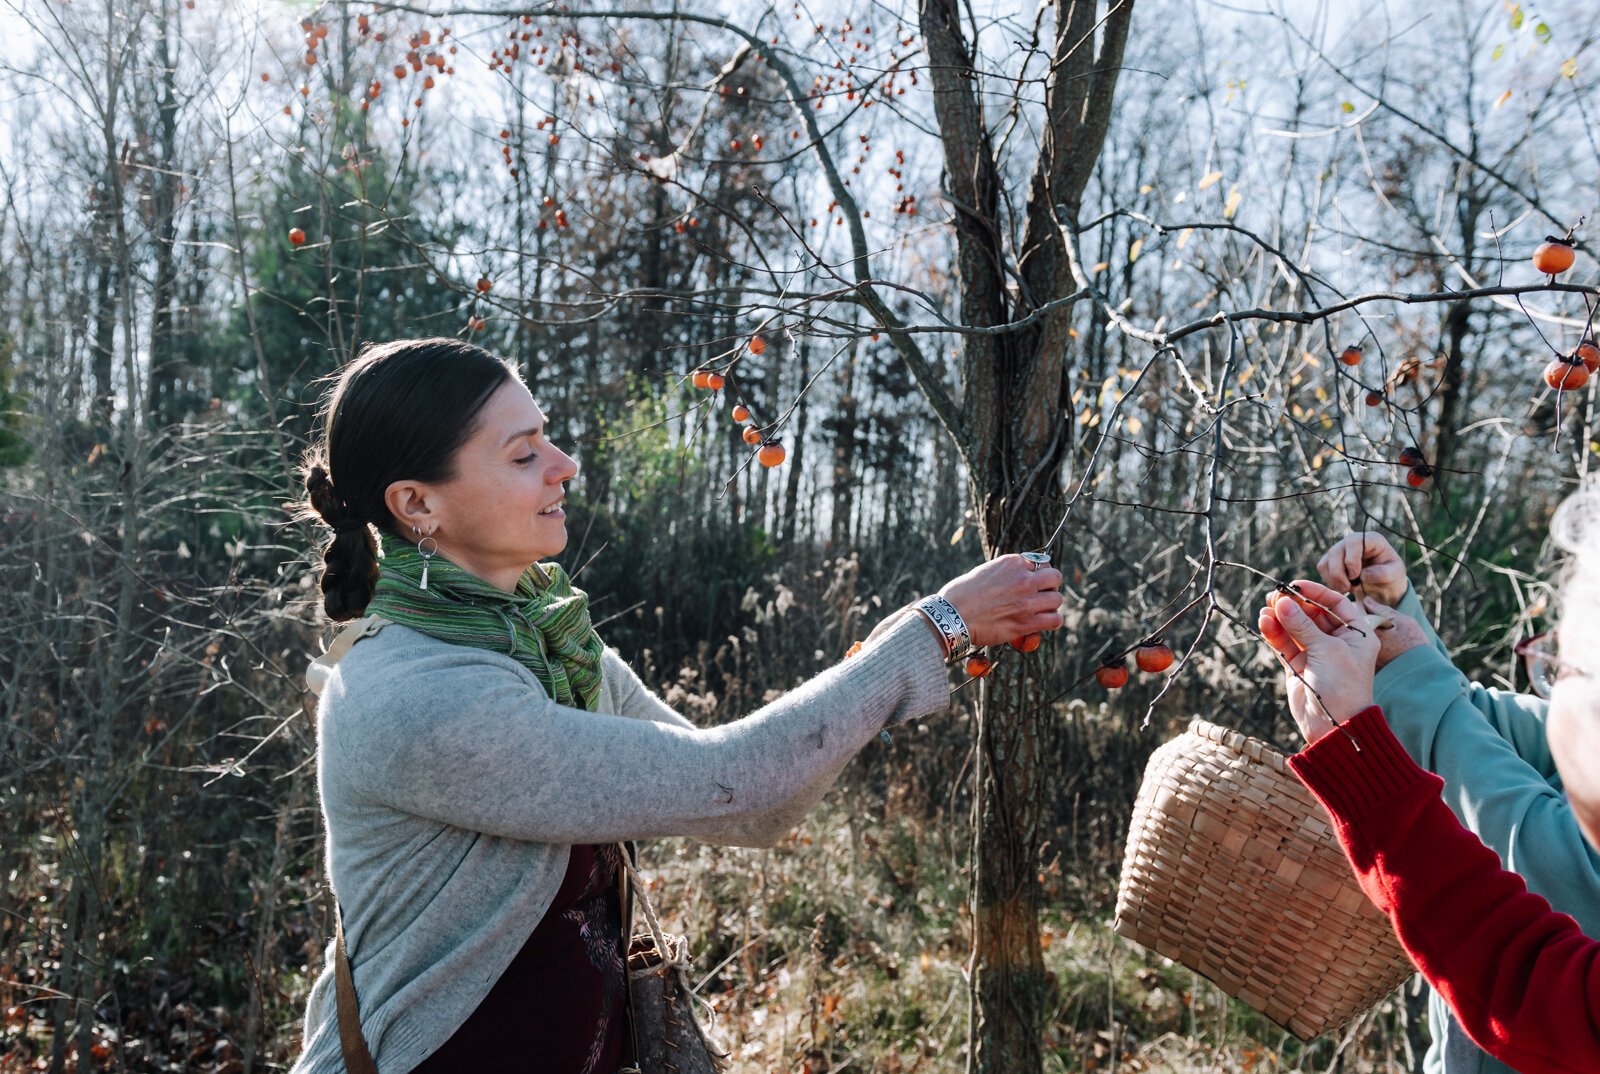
[(453, 786)]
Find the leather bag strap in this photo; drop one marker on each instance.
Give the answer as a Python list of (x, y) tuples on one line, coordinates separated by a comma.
[(625, 889), (357, 1060)]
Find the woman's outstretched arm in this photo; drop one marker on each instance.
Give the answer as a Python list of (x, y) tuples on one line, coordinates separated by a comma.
[(1523, 980)]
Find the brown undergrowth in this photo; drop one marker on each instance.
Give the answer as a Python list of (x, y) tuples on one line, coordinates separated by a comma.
[(844, 948)]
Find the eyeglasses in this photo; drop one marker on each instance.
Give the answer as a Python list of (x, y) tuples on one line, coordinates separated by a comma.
[(1544, 668)]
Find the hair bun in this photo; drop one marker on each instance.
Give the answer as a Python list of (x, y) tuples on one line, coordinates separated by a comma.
[(325, 499), (318, 478)]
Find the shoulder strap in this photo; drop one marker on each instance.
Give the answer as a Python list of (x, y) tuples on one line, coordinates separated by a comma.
[(357, 1060), (321, 667), (630, 853)]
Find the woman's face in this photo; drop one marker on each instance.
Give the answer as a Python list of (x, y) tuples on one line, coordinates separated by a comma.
[(1573, 727), (501, 511)]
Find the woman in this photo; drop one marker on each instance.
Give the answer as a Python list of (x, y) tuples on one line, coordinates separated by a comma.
[(1492, 751), (482, 755), (1523, 980)]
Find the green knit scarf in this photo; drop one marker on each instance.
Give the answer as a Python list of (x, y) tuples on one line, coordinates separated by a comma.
[(544, 625)]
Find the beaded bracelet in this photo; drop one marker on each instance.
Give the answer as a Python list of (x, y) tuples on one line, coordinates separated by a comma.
[(948, 622)]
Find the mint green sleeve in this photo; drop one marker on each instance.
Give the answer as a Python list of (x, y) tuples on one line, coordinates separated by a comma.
[(1517, 718), (1498, 794)]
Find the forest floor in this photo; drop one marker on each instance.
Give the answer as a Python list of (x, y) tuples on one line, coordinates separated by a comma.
[(844, 949)]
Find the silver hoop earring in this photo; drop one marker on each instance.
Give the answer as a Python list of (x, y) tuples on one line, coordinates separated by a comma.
[(426, 554)]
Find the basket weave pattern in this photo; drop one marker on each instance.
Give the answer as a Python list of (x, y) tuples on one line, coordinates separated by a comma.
[(1233, 870)]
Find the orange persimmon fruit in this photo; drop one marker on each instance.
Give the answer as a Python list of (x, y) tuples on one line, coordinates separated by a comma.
[(1566, 374), (1553, 256), (1153, 657), (1113, 674), (1588, 353)]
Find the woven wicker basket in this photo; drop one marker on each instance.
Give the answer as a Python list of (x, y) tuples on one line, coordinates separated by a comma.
[(1233, 870)]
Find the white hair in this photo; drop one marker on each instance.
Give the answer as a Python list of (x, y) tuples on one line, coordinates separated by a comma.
[(1575, 528)]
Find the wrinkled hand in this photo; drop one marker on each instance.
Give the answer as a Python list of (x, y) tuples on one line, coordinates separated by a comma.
[(1365, 559), (1401, 635), (1003, 599), (1329, 670)]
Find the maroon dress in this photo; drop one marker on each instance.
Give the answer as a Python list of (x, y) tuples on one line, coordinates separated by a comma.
[(559, 1006)]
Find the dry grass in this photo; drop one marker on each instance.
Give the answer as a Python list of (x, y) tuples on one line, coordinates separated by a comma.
[(844, 948)]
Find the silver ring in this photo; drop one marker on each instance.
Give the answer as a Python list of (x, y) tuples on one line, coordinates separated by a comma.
[(1036, 559), (425, 553)]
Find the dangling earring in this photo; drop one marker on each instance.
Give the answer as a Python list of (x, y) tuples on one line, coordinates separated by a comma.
[(426, 554)]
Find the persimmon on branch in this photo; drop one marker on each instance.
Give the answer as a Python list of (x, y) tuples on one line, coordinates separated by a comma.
[(1159, 338), (1039, 298), (1164, 342), (922, 369)]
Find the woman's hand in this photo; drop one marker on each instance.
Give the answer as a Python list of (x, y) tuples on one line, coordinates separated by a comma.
[(1006, 598), (1366, 559), (1329, 675), (1401, 635)]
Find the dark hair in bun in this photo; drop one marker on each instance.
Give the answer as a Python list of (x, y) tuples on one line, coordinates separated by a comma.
[(400, 411)]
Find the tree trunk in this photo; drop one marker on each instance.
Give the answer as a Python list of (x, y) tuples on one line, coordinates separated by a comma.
[(1457, 326), (1010, 993), (163, 353), (1015, 437), (845, 434), (797, 443)]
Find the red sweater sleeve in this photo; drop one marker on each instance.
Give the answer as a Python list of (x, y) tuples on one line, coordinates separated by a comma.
[(1523, 980)]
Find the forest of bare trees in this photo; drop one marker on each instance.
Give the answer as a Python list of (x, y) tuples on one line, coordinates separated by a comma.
[(1075, 277)]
